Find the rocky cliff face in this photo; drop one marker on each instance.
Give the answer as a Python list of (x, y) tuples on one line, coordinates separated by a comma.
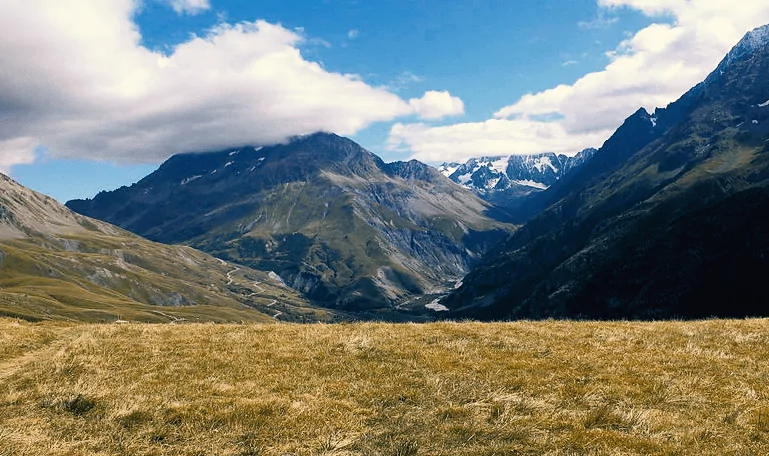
[(330, 218), (661, 222)]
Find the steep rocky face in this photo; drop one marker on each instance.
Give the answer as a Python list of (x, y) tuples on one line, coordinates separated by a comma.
[(661, 222), (505, 180), (330, 218), (56, 264)]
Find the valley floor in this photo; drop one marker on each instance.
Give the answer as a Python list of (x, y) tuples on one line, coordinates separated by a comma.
[(553, 388)]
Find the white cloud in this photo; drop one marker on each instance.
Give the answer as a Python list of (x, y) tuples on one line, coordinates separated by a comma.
[(495, 136), (352, 34), (190, 7), (76, 80), (599, 22), (16, 151), (403, 80), (437, 105), (651, 68)]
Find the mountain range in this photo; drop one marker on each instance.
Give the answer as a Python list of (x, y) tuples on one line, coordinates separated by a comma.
[(663, 222), (329, 217), (503, 180)]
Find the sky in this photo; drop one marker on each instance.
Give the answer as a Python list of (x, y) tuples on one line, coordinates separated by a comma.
[(95, 94)]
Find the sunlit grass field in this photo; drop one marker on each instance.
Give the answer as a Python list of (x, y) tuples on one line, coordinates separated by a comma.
[(557, 388)]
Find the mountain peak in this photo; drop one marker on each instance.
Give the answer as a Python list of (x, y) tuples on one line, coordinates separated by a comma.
[(753, 41), (412, 169), (326, 148), (318, 137), (24, 211)]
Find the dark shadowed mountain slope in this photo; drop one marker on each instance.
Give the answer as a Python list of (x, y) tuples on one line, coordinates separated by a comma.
[(647, 228), (55, 264), (330, 218)]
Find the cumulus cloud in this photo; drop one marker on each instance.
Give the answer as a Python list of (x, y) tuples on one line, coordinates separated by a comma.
[(76, 80), (16, 151), (651, 69), (437, 105), (191, 7)]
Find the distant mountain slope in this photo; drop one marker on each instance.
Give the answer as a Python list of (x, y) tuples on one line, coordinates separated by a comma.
[(59, 265), (332, 219), (504, 179), (664, 221)]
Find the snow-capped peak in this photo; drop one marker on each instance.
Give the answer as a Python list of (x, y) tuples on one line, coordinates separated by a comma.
[(750, 43), (755, 39), (491, 174)]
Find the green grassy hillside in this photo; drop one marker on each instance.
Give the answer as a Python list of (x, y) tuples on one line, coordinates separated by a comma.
[(103, 278), (57, 265), (557, 388)]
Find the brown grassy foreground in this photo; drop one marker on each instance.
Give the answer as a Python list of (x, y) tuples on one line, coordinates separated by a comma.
[(376, 389)]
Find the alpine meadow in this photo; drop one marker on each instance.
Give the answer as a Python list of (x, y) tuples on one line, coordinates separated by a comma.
[(401, 228)]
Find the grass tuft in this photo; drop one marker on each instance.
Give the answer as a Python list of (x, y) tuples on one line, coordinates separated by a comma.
[(78, 405), (407, 448)]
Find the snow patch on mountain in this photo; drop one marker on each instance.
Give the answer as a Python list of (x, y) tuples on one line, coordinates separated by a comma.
[(544, 161), (464, 179), (187, 180), (447, 169), (499, 165), (530, 183)]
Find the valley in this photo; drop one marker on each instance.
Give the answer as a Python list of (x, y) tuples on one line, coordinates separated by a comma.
[(328, 217)]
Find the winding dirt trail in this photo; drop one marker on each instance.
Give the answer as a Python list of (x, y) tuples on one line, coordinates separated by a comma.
[(229, 276)]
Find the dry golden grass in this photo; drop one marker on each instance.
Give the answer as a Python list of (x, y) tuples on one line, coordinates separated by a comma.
[(557, 388)]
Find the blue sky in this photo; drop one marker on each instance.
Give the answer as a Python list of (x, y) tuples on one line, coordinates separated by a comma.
[(99, 93)]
